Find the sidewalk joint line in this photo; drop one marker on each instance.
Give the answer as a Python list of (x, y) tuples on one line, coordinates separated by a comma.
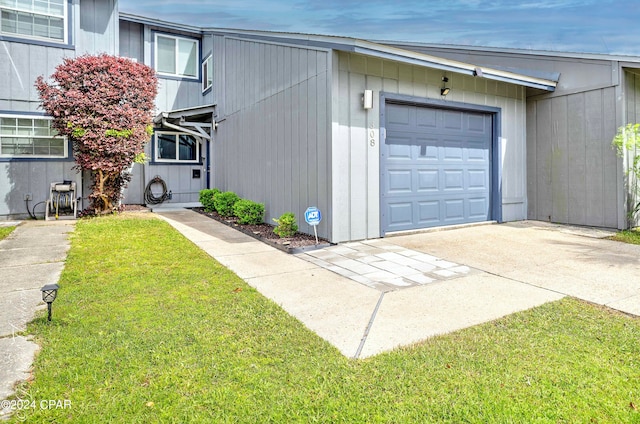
[(527, 283), (369, 325)]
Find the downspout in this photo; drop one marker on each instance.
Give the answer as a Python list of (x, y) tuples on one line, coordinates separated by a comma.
[(208, 163)]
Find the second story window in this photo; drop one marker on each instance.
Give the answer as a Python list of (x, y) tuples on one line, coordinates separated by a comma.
[(34, 19), (207, 73), (176, 56)]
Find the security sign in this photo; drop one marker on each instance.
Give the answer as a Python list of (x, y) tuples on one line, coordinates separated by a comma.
[(313, 216)]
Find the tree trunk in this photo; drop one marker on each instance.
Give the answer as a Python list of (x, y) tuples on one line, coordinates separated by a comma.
[(101, 201)]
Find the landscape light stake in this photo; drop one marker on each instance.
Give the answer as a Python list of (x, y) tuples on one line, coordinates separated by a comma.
[(49, 293)]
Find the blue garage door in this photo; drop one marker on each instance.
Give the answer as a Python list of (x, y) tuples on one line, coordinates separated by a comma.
[(435, 167)]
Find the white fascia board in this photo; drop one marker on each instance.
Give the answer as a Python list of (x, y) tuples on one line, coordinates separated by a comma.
[(159, 23), (420, 59), (184, 113), (199, 127)]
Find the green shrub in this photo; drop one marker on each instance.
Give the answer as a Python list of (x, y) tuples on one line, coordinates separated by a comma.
[(224, 202), (249, 212), (287, 225), (206, 198)]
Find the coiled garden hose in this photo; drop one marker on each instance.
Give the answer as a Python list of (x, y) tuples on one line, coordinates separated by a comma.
[(62, 200), (152, 199)]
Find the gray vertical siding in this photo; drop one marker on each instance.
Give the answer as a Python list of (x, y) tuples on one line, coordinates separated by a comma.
[(35, 178), (178, 94), (94, 30), (22, 64), (96, 27), (136, 41), (572, 167), (356, 162), (272, 145), (132, 40)]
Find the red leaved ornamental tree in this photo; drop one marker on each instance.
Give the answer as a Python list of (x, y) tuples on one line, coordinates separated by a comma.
[(104, 105)]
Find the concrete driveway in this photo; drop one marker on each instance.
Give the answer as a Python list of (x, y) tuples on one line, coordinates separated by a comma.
[(572, 261)]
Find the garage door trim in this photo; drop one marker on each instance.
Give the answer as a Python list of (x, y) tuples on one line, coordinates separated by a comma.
[(496, 150)]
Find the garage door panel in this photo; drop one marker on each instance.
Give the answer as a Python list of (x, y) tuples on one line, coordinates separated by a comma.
[(428, 180), (478, 179), (453, 153), (453, 210), (435, 167), (428, 212), (400, 181), (453, 120), (453, 180), (398, 116), (400, 215), (478, 207), (400, 149), (476, 124), (426, 154), (476, 154), (426, 118)]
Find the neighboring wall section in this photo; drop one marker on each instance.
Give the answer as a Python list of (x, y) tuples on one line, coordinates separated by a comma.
[(573, 171), (574, 176), (273, 141), (356, 160)]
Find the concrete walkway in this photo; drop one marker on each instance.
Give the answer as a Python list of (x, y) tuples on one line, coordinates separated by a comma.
[(33, 255), (407, 295)]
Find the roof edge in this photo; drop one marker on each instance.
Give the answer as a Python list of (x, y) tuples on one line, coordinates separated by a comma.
[(514, 50), (454, 66), (130, 17), (369, 48)]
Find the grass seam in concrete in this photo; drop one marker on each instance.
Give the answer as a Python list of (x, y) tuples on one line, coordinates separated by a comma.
[(369, 325)]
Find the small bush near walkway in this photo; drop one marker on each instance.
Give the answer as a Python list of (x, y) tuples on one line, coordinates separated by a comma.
[(224, 202), (207, 199), (286, 225), (248, 212)]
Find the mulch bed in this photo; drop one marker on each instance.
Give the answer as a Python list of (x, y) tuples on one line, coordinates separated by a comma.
[(300, 242)]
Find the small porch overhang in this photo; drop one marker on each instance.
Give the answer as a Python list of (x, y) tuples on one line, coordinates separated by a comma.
[(198, 121)]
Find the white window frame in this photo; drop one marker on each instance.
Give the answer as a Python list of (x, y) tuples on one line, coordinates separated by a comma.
[(207, 73), (176, 55), (51, 136), (177, 159), (20, 8)]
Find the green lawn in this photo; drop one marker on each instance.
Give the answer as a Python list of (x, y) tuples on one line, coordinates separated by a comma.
[(149, 329), (5, 231)]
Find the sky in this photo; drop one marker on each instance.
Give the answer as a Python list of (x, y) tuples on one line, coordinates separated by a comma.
[(587, 26)]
